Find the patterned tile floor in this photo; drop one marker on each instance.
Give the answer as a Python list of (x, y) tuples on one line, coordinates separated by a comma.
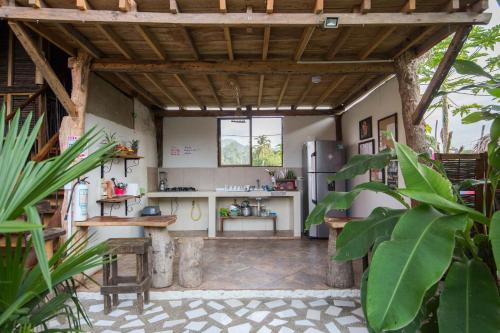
[(234, 315)]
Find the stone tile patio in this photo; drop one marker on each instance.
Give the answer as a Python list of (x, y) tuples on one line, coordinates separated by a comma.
[(287, 311)]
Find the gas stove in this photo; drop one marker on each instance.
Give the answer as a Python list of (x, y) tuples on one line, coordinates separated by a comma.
[(180, 189)]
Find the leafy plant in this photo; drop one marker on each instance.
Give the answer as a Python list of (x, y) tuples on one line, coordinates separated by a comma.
[(134, 145), (24, 184), (417, 248)]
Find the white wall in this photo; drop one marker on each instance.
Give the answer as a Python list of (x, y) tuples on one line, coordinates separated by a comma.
[(381, 103), (201, 135), (143, 130)]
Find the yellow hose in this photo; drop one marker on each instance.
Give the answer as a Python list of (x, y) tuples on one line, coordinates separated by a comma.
[(197, 206)]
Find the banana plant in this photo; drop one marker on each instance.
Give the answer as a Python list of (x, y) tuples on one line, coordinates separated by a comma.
[(431, 268)]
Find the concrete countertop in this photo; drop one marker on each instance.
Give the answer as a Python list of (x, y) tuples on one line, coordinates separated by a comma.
[(222, 194)]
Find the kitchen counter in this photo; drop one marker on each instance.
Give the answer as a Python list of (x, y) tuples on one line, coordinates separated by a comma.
[(211, 196)]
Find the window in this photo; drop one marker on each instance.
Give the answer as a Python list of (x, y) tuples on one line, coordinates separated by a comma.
[(251, 142)]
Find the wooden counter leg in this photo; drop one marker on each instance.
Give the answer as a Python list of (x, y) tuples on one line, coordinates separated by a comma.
[(339, 274), (163, 257)]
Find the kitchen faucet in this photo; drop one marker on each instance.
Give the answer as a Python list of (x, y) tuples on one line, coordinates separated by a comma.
[(258, 183)]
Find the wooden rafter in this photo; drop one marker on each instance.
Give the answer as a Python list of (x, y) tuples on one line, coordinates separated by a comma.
[(261, 90), (229, 44), (56, 40), (222, 6), (338, 43), (240, 67), (151, 41), (435, 38), (36, 4), (453, 6), (441, 72), (82, 41), (368, 86), (134, 86), (409, 7), (479, 6), (43, 66), (127, 5), (174, 8), (337, 81), (61, 15), (265, 50), (415, 39), (356, 88), (162, 88), (379, 39), (82, 5), (117, 42), (319, 6), (304, 93), (213, 90), (364, 7), (188, 90), (269, 6), (304, 40)]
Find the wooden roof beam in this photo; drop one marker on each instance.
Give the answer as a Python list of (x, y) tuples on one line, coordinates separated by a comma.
[(82, 41), (479, 6), (251, 113), (68, 15), (127, 5), (82, 5), (379, 39), (134, 86), (174, 7), (189, 91), (37, 4), (364, 7), (356, 88), (162, 88), (441, 72), (269, 6), (114, 39), (337, 81), (241, 67), (229, 44), (409, 7), (453, 6), (213, 90), (304, 40), (261, 90), (43, 66), (368, 85), (222, 6), (319, 6), (151, 41), (415, 39), (304, 94), (265, 50), (56, 40), (338, 43)]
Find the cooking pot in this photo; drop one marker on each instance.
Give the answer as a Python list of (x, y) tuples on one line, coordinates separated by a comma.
[(246, 211)]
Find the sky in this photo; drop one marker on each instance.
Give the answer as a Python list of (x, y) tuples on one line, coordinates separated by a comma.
[(467, 135)]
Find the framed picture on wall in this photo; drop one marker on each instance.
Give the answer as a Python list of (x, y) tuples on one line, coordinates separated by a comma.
[(367, 147), (377, 175), (365, 128), (387, 124), (392, 174)]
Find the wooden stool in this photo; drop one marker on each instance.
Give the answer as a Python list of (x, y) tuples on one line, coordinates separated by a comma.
[(113, 284)]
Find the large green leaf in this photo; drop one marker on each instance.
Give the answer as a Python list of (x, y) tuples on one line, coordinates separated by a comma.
[(470, 301), (495, 237), (344, 200), (447, 205), (360, 164), (359, 236), (467, 67), (404, 268), (7, 227), (420, 177)]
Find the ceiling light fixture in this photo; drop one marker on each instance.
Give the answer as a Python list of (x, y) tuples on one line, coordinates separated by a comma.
[(316, 79), (331, 22)]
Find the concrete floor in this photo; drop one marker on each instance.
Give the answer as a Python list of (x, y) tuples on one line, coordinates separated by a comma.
[(238, 264)]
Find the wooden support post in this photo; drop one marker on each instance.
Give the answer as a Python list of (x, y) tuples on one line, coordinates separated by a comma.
[(409, 90), (159, 140), (163, 256), (442, 71), (73, 126), (339, 274)]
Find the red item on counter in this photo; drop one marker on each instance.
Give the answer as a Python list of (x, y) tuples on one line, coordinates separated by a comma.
[(119, 191)]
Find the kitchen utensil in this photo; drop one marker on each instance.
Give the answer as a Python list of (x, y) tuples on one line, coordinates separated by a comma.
[(246, 211)]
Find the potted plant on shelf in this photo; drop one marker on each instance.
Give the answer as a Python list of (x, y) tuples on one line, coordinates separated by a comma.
[(434, 264), (30, 297), (134, 145)]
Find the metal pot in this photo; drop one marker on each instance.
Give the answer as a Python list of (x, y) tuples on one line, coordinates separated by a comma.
[(246, 211), (234, 210)]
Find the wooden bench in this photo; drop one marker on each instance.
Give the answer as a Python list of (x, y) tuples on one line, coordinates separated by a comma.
[(339, 274), (156, 228), (51, 237), (224, 218)]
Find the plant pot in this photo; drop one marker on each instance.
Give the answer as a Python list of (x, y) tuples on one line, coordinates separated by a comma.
[(119, 191)]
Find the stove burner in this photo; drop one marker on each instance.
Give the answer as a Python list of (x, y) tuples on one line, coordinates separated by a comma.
[(180, 189)]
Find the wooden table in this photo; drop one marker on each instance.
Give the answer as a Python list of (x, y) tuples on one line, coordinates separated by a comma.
[(339, 274), (155, 227), (51, 237)]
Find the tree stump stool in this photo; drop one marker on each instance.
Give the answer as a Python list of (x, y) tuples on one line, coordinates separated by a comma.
[(113, 284), (162, 261), (190, 262), (339, 274)]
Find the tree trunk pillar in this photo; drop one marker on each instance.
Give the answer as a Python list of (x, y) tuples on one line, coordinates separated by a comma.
[(190, 262), (409, 90), (162, 260), (339, 274)]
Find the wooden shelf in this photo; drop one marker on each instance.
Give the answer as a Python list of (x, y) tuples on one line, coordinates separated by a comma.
[(118, 199), (128, 156), (248, 217), (142, 221)]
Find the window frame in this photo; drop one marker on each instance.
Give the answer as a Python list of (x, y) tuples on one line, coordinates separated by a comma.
[(250, 165)]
